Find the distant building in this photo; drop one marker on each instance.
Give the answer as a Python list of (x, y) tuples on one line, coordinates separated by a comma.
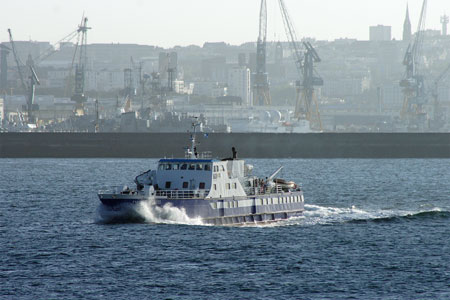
[(380, 33), (28, 48), (58, 78), (239, 84), (105, 80), (242, 60), (279, 54), (407, 33), (345, 87), (209, 89), (215, 69), (277, 71), (392, 97), (432, 33)]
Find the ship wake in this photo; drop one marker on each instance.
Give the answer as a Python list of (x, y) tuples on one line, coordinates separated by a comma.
[(144, 212), (320, 215)]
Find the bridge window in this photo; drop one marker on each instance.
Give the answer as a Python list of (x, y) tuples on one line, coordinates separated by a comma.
[(168, 184), (191, 166), (207, 167), (161, 167), (201, 186), (199, 167), (169, 167), (216, 169), (185, 185), (175, 167)]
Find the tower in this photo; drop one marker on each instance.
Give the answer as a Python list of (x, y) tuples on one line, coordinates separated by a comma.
[(444, 22), (407, 27)]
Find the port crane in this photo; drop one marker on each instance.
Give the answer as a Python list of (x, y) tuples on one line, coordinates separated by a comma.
[(306, 106), (413, 84), (261, 93), (80, 68), (30, 87), (30, 107)]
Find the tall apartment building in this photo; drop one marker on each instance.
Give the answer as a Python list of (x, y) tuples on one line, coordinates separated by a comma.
[(239, 84)]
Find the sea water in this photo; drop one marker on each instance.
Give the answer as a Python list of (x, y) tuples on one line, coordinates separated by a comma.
[(372, 229)]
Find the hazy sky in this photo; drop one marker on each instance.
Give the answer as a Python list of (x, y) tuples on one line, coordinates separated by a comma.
[(183, 22)]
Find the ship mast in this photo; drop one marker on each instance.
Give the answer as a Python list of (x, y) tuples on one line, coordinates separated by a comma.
[(193, 151)]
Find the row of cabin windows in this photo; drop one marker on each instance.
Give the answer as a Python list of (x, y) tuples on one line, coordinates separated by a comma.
[(231, 204), (219, 168), (201, 185), (176, 167), (228, 185), (281, 200), (235, 204)]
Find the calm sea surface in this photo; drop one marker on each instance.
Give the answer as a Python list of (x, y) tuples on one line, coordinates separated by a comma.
[(373, 229)]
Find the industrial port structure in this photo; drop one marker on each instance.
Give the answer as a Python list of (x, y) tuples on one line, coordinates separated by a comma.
[(270, 92)]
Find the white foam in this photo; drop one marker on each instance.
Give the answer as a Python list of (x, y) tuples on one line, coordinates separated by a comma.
[(166, 214), (148, 212), (320, 215)]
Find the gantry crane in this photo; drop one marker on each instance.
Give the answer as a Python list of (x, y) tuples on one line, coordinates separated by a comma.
[(30, 107), (413, 84), (261, 92), (308, 107), (30, 88), (79, 97), (306, 102)]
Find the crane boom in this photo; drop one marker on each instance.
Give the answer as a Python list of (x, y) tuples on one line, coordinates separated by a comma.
[(261, 93), (292, 36), (306, 105), (80, 69), (263, 22), (418, 41), (51, 50), (17, 60)]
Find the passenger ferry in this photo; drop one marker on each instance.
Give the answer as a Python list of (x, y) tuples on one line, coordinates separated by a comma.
[(219, 192)]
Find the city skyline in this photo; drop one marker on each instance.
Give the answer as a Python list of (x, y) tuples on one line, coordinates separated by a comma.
[(183, 23)]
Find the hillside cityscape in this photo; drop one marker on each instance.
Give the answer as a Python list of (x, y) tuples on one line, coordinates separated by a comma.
[(292, 85)]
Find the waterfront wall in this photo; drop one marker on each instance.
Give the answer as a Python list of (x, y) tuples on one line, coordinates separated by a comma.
[(248, 145)]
